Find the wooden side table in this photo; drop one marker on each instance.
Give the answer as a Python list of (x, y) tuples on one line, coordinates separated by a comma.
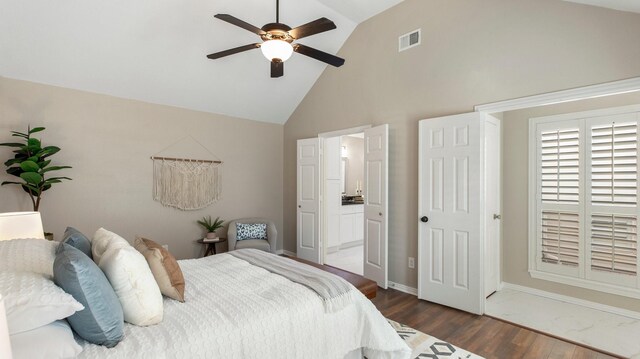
[(211, 245)]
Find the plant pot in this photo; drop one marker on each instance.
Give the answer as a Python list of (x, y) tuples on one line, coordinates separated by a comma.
[(212, 235), (48, 236)]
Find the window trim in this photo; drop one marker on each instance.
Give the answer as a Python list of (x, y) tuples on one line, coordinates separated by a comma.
[(536, 271)]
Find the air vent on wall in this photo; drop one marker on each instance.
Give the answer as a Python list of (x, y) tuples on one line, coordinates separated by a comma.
[(409, 40)]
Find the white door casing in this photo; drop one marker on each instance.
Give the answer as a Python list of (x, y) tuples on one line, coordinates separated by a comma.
[(308, 200), (451, 191), (492, 215), (376, 162)]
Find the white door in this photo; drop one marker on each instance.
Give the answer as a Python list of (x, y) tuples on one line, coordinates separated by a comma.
[(308, 197), (332, 194), (376, 160), (492, 205), (450, 234)]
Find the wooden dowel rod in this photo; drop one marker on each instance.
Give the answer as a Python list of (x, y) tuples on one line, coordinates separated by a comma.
[(183, 159)]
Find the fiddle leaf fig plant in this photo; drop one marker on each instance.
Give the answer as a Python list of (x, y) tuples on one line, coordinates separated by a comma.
[(32, 164)]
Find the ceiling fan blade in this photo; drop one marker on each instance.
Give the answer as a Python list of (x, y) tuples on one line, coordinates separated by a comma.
[(277, 68), (314, 27), (235, 50), (318, 55), (235, 21)]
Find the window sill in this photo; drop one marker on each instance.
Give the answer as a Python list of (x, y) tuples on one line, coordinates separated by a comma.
[(587, 284)]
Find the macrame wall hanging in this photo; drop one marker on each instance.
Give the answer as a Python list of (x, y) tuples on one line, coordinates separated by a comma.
[(186, 183)]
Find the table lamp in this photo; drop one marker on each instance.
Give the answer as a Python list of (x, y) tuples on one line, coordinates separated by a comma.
[(20, 225), (5, 343)]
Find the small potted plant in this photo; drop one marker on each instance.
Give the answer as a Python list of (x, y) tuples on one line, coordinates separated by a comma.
[(211, 226)]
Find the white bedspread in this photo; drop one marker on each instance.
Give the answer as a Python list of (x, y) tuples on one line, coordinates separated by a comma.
[(236, 310)]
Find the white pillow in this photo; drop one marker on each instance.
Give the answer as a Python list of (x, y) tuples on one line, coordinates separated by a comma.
[(31, 300), (103, 240), (51, 341), (134, 284), (29, 255)]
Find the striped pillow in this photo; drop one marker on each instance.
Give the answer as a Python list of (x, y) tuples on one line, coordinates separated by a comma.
[(251, 231)]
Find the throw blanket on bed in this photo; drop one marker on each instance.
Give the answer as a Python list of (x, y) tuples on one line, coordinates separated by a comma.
[(235, 310), (336, 293)]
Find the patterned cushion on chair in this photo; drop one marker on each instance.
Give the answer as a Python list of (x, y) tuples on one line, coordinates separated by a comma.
[(251, 231)]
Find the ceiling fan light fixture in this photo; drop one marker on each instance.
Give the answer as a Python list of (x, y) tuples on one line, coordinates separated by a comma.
[(276, 49)]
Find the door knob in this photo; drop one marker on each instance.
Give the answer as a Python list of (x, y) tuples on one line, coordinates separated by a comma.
[(424, 219)]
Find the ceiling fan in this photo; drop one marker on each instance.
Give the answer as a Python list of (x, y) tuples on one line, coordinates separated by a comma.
[(278, 38)]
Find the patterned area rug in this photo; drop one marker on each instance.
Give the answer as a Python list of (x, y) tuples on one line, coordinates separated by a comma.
[(425, 346)]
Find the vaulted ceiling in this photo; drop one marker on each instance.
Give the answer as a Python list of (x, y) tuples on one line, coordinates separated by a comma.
[(155, 50)]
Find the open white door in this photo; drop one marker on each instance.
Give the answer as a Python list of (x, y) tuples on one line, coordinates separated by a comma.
[(451, 191), (376, 169), (308, 197)]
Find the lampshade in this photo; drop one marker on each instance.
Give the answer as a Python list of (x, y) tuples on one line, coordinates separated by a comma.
[(276, 49), (20, 225), (5, 344)]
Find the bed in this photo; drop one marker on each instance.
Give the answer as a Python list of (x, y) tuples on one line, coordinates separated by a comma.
[(234, 309)]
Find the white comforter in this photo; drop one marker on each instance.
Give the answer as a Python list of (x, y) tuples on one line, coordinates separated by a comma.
[(236, 310)]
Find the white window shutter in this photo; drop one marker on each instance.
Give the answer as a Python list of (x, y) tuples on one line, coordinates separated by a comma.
[(559, 197), (560, 238), (614, 164), (613, 205), (559, 161), (614, 245)]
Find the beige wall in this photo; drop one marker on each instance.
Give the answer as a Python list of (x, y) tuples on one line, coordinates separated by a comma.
[(108, 141), (472, 52), (515, 202), (355, 162)]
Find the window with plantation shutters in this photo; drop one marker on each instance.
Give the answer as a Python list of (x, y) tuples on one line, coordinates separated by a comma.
[(584, 199)]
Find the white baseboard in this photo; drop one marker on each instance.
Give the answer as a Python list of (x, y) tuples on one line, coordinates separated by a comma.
[(333, 249), (351, 244), (403, 288), (567, 299), (285, 252)]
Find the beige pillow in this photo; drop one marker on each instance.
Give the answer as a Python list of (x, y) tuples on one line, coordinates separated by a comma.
[(164, 267)]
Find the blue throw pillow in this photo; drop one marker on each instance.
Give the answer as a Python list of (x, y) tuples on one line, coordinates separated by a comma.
[(101, 321), (76, 239), (251, 231)]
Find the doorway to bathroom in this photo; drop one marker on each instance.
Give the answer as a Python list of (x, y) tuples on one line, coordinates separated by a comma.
[(339, 210), (344, 202)]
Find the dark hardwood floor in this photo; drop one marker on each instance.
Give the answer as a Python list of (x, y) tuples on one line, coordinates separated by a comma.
[(485, 336)]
